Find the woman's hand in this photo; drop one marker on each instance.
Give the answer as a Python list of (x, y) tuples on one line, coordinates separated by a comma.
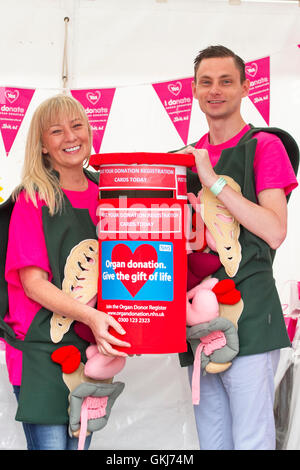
[(38, 288), (100, 322)]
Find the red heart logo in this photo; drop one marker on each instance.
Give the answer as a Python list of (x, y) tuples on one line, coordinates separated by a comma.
[(134, 269)]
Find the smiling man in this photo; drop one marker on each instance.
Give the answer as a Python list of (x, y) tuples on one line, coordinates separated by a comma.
[(236, 406), (219, 85)]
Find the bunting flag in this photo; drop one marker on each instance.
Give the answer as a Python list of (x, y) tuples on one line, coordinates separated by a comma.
[(177, 99), (13, 106), (258, 72), (97, 104), (175, 96)]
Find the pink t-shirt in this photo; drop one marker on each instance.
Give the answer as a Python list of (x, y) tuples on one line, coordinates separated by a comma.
[(272, 166), (27, 247)]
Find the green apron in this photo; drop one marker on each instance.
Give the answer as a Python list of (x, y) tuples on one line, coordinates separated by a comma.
[(44, 395), (261, 326)]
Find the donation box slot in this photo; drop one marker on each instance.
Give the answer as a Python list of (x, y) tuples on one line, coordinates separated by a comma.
[(142, 248)]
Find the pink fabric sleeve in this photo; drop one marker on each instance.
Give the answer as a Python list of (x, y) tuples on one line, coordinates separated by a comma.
[(26, 246), (272, 166)]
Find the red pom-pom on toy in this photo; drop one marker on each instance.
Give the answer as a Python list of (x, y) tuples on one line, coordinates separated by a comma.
[(224, 286), (68, 357), (230, 298), (226, 292)]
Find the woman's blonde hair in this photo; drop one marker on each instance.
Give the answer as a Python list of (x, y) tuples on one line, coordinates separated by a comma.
[(38, 176)]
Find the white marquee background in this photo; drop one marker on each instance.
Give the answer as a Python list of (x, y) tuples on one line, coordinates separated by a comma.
[(130, 44)]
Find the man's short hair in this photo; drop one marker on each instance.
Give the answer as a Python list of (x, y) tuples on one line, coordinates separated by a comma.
[(220, 51)]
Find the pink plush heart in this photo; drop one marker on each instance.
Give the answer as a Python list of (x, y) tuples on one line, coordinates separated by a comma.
[(145, 254)]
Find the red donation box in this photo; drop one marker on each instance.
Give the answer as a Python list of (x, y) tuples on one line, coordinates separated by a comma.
[(142, 247)]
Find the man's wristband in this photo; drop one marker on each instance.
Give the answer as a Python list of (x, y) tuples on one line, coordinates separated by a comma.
[(217, 187)]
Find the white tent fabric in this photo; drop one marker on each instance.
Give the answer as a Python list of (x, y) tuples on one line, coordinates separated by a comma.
[(130, 45)]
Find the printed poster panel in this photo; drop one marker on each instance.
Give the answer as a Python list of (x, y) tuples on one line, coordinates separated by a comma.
[(97, 104), (142, 280), (258, 72), (14, 103)]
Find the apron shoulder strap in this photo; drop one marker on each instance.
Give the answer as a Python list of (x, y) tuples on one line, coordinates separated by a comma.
[(287, 140), (92, 175)]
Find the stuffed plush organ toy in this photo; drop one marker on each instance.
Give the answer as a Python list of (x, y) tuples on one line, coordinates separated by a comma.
[(223, 229), (200, 263), (80, 282), (213, 338), (91, 386), (213, 306)]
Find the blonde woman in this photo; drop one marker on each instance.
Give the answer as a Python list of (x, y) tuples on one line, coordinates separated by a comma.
[(51, 254)]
